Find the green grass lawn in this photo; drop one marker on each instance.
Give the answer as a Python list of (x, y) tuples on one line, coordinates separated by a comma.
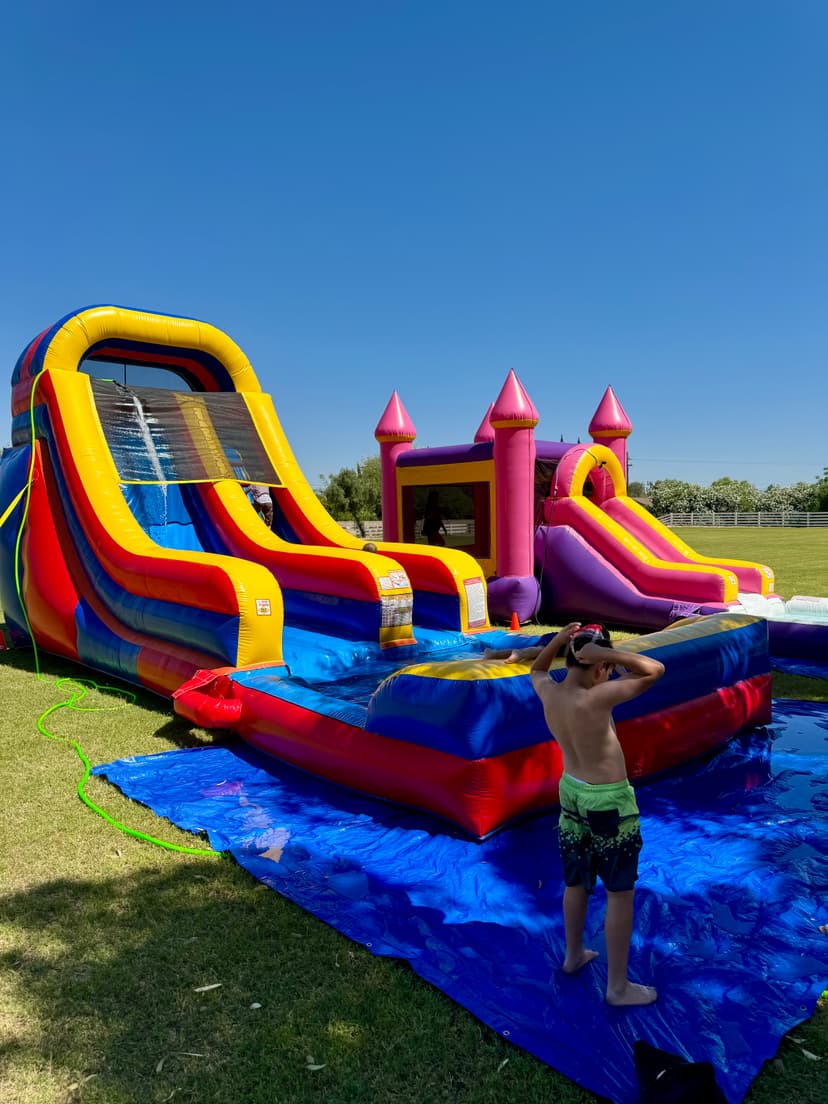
[(105, 942), (799, 557)]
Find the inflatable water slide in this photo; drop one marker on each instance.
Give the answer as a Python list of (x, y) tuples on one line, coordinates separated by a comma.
[(607, 557), (128, 544)]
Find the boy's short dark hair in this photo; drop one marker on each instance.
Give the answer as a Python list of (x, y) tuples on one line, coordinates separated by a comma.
[(587, 634)]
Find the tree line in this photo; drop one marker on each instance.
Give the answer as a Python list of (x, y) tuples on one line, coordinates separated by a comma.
[(355, 494), (725, 495)]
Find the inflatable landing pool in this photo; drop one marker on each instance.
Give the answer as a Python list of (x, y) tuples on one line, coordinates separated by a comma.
[(465, 738)]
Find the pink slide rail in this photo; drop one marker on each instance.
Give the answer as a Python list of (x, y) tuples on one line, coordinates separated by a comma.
[(753, 578)]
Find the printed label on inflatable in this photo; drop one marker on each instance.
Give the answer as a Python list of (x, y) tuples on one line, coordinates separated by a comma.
[(476, 599), (263, 607), (396, 611), (399, 580)]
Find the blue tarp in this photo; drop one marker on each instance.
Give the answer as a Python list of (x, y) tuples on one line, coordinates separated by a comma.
[(811, 668), (733, 886)]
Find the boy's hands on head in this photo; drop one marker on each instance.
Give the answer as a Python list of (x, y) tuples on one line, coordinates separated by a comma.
[(559, 642), (587, 644)]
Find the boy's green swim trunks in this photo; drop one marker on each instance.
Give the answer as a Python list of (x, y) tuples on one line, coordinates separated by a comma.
[(599, 834)]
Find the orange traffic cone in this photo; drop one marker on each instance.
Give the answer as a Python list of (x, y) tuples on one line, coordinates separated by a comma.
[(515, 625)]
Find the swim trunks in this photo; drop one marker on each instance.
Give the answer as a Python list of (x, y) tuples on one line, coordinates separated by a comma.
[(599, 834)]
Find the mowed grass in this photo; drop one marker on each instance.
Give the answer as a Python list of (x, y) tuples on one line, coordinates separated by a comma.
[(105, 942), (799, 557)]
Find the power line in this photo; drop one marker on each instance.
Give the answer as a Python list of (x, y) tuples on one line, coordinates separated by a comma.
[(774, 463)]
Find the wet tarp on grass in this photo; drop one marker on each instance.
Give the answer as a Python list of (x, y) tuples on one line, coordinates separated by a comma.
[(811, 668), (734, 882)]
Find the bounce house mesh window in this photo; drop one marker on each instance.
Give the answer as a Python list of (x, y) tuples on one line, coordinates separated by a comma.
[(544, 475), (463, 508), (162, 436), (546, 486)]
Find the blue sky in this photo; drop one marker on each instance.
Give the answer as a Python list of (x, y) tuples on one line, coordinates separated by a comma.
[(422, 195)]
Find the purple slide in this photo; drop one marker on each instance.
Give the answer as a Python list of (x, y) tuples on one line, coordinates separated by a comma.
[(576, 581)]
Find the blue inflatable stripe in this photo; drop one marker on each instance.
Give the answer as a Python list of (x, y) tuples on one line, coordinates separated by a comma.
[(329, 614), (164, 515), (438, 611), (471, 718), (100, 647), (306, 697), (693, 668), (281, 526), (14, 468)]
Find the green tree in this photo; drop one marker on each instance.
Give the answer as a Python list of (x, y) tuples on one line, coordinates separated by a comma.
[(804, 496), (726, 495), (354, 494), (774, 497), (636, 489), (821, 492), (672, 496)]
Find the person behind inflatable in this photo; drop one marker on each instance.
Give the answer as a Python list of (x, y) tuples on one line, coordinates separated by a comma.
[(433, 526), (260, 497), (519, 655), (599, 832)]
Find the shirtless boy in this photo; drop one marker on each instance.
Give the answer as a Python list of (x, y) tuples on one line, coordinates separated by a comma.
[(599, 832)]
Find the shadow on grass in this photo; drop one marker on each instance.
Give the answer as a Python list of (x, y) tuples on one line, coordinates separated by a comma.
[(181, 733), (191, 981), (57, 667), (171, 728)]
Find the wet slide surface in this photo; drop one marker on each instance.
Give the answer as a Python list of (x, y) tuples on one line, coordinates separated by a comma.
[(733, 885)]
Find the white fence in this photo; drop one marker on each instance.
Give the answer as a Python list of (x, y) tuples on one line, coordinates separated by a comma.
[(373, 529), (798, 519)]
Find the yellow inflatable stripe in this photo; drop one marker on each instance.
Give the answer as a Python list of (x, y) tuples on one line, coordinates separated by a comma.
[(11, 506), (624, 537), (90, 327), (468, 670), (685, 549), (476, 669)]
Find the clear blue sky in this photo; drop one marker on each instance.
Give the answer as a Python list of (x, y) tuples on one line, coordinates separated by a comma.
[(422, 195)]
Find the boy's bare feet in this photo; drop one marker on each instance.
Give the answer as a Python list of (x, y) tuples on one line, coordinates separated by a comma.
[(572, 967), (632, 994)]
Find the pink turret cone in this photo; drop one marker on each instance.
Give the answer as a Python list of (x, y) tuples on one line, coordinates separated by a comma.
[(513, 406), (610, 426), (484, 430)]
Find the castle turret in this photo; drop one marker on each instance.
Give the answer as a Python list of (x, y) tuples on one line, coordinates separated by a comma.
[(513, 419), (395, 431), (610, 426), (484, 430)]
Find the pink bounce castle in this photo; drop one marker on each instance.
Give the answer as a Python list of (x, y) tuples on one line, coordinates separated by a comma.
[(551, 523)]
